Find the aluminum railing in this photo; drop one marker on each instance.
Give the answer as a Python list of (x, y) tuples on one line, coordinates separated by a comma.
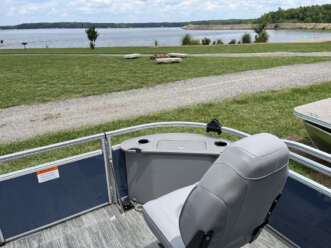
[(106, 145), (291, 144), (39, 150), (42, 149)]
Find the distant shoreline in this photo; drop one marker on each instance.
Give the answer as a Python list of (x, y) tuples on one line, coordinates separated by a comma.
[(184, 26), (84, 25), (289, 26)]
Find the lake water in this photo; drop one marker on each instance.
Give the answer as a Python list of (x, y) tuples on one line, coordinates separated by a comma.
[(61, 38)]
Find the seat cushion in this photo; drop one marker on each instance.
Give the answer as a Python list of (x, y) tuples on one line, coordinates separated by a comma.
[(162, 216), (235, 195)]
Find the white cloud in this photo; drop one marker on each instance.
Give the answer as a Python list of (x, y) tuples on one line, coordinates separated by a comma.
[(106, 2), (30, 8), (210, 5)]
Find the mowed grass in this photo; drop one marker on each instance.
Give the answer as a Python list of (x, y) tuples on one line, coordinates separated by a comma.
[(270, 111), (36, 79), (243, 48)]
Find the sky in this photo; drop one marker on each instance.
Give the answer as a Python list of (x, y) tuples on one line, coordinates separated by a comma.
[(25, 11)]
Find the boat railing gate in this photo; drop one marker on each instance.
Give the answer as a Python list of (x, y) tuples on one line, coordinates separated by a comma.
[(102, 161)]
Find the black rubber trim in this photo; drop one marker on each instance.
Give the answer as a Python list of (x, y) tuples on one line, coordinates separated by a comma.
[(200, 240), (214, 126)]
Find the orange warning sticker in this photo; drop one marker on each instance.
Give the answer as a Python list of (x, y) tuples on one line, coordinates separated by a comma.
[(48, 174)]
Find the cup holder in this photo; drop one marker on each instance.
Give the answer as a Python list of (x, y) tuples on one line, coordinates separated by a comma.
[(143, 141), (220, 143)]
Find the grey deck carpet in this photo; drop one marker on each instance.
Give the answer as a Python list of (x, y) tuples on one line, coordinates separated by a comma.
[(108, 228)]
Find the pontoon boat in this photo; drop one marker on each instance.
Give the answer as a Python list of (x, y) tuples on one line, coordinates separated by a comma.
[(168, 189), (317, 120)]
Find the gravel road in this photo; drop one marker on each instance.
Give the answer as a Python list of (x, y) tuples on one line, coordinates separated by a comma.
[(22, 122), (271, 54)]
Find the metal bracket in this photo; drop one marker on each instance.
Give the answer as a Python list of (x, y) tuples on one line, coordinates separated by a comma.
[(2, 239)]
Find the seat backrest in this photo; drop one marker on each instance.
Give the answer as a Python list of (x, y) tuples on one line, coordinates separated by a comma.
[(233, 198)]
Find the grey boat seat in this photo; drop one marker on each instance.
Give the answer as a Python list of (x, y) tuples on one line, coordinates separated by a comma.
[(231, 203)]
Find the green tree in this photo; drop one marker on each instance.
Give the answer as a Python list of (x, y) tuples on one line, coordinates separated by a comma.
[(206, 41), (308, 20), (186, 40), (315, 13), (280, 14), (246, 38), (261, 33), (92, 35)]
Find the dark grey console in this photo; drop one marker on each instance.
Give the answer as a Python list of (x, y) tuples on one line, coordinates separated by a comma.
[(158, 164)]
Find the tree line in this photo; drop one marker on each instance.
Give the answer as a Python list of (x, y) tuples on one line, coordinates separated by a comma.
[(309, 14)]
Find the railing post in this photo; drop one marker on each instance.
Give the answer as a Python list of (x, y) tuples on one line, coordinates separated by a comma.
[(107, 170), (115, 193)]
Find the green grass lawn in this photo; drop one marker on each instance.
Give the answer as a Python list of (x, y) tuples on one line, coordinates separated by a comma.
[(270, 111), (244, 48), (35, 79)]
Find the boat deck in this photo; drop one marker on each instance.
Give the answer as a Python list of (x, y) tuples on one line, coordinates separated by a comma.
[(108, 228), (316, 112)]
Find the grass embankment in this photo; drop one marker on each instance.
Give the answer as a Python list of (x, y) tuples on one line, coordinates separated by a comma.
[(36, 79), (244, 48), (270, 111)]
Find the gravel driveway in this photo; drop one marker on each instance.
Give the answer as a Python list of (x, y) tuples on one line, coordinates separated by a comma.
[(21, 122)]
